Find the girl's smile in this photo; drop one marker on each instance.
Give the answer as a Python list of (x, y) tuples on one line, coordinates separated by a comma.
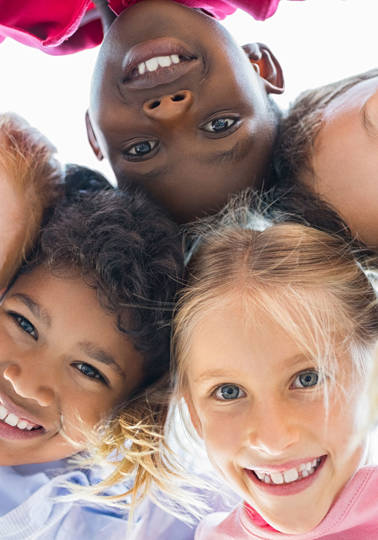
[(257, 399)]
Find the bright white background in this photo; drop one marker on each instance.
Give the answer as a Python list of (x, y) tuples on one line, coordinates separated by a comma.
[(317, 41)]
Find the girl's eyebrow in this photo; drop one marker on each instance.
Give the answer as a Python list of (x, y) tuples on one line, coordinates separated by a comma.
[(102, 356), (38, 311)]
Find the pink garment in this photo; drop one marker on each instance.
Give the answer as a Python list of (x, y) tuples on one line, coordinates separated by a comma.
[(354, 516), (67, 26)]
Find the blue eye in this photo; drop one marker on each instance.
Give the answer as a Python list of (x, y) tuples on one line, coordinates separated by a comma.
[(140, 149), (89, 371), (228, 392), (219, 125), (24, 324), (306, 379)]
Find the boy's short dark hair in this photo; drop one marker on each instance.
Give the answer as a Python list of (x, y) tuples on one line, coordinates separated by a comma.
[(125, 248), (300, 126)]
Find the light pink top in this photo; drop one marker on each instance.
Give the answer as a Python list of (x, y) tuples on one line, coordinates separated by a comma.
[(354, 516)]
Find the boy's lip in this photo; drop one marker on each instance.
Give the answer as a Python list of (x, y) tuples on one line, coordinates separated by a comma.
[(20, 412), (165, 75)]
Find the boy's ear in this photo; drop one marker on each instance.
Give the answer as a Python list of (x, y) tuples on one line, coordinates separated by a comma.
[(193, 414), (267, 66), (92, 137)]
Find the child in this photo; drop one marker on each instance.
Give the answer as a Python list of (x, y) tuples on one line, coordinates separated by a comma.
[(84, 336), (328, 142), (182, 110), (274, 337), (30, 176)]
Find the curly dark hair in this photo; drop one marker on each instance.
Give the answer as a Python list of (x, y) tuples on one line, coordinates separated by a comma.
[(130, 253)]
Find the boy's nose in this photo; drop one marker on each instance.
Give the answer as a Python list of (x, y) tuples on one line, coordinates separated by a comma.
[(28, 385), (169, 108)]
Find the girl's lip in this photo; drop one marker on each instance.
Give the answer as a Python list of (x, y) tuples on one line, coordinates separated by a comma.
[(22, 413), (291, 488), (282, 467)]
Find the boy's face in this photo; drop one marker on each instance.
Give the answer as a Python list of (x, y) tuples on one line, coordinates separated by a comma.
[(345, 160), (257, 401), (195, 128), (63, 367)]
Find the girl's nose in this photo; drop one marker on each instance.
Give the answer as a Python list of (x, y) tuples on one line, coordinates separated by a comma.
[(169, 108), (29, 385), (273, 431)]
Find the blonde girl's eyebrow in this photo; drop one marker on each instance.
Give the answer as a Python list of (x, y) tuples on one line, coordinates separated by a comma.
[(37, 310), (95, 352)]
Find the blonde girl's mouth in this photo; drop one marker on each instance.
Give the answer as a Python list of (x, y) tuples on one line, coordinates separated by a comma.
[(289, 481)]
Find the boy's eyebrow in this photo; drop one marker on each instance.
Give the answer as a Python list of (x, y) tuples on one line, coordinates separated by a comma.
[(235, 153), (38, 311), (100, 355)]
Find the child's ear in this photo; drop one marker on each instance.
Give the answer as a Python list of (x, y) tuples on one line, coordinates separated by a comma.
[(92, 137), (193, 414), (267, 66)]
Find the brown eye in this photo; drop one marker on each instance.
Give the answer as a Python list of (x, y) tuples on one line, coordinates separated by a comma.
[(219, 125), (140, 149)]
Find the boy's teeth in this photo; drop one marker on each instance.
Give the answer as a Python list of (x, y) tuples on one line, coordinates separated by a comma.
[(12, 420), (158, 61), (291, 475)]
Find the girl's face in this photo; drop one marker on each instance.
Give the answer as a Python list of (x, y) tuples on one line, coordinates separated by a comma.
[(256, 400), (345, 160), (63, 366)]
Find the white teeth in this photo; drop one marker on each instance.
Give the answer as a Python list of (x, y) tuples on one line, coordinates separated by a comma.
[(175, 58), (291, 475), (277, 478), (164, 61), (21, 424), (29, 427), (267, 479), (314, 463), (141, 68), (3, 412), (304, 473), (260, 475), (11, 419), (152, 64)]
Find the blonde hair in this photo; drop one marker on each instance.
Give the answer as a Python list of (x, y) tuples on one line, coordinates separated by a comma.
[(29, 166), (277, 268)]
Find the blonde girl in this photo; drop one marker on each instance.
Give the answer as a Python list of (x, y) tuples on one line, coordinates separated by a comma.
[(273, 345)]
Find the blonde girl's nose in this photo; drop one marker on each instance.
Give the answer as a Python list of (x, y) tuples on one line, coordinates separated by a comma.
[(28, 385)]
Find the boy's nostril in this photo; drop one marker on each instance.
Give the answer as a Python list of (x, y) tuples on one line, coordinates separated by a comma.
[(154, 104), (178, 97)]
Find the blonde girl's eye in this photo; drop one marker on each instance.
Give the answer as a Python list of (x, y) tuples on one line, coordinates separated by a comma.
[(229, 392), (220, 125), (306, 379), (24, 324)]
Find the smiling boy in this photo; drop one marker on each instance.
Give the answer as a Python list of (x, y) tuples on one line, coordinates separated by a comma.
[(179, 108)]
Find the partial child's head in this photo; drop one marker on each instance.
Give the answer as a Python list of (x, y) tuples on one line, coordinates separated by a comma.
[(84, 328), (180, 109), (329, 141), (273, 339), (29, 175)]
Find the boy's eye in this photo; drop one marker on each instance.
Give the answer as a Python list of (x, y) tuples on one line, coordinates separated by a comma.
[(306, 379), (89, 371), (140, 149), (219, 125), (24, 324), (229, 392)]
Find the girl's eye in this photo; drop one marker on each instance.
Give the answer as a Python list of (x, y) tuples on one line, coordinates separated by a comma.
[(219, 125), (91, 372), (306, 379), (229, 392), (140, 149), (24, 324)]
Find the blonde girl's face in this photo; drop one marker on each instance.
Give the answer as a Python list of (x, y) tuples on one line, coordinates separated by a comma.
[(257, 401), (63, 367)]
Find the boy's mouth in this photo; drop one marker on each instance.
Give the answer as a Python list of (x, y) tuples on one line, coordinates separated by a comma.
[(156, 62)]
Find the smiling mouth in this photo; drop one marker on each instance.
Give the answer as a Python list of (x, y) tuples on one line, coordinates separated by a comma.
[(158, 70), (13, 420), (290, 476)]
